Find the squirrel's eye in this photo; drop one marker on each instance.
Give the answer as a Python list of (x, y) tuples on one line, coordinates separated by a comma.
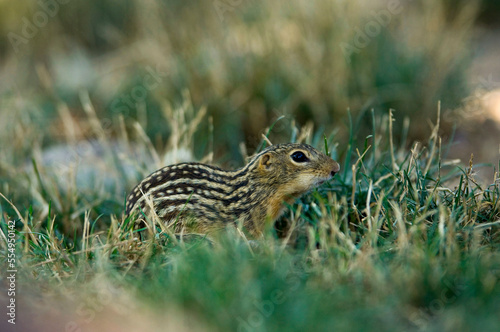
[(299, 157)]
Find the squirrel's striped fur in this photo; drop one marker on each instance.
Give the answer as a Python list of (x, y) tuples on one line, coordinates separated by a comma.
[(200, 198)]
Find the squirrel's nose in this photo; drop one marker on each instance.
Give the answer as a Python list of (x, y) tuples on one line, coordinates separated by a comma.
[(335, 169)]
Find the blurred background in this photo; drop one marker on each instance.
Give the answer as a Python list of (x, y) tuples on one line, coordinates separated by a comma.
[(96, 94), (67, 66)]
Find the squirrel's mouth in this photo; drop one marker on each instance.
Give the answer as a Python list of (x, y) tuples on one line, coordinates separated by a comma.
[(321, 181), (325, 179)]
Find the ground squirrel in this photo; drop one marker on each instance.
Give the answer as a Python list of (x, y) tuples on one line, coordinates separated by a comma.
[(201, 198)]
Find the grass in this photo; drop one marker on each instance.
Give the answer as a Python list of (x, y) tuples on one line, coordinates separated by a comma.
[(399, 240), (403, 239), (257, 61)]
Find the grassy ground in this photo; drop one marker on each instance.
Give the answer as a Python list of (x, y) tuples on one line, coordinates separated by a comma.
[(386, 245), (104, 92)]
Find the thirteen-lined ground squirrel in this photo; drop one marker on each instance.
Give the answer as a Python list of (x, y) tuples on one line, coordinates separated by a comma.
[(200, 198)]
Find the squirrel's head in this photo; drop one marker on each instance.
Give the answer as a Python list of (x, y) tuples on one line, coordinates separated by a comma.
[(296, 168)]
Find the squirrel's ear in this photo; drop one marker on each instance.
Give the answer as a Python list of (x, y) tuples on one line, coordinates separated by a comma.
[(265, 161)]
